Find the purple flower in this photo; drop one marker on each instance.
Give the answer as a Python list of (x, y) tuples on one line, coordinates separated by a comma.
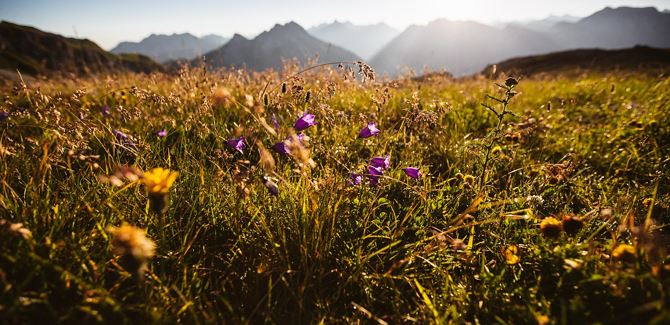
[(304, 122), (381, 162), (4, 116), (271, 186), (123, 138), (162, 133), (280, 147), (368, 131), (237, 144), (412, 172), (120, 135), (374, 173), (106, 111), (275, 124), (355, 180)]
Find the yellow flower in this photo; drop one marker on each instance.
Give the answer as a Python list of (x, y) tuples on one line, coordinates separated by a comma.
[(159, 180), (550, 227), (496, 150), (624, 252), (542, 319), (510, 255)]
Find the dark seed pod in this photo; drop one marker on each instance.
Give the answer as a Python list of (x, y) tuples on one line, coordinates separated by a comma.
[(266, 100), (511, 82), (572, 224), (283, 88), (308, 96)]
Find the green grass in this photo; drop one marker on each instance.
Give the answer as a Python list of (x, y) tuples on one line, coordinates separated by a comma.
[(427, 250)]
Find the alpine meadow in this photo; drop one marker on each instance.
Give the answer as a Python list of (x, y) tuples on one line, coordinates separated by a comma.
[(282, 179)]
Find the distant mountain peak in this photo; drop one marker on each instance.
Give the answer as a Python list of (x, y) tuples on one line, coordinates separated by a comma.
[(238, 36), (268, 49), (175, 46), (364, 40), (290, 26), (608, 11), (466, 47), (343, 23)]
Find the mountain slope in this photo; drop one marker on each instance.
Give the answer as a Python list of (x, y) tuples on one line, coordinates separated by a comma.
[(460, 47), (615, 28), (267, 50), (164, 48), (637, 58), (364, 40), (467, 47), (33, 52)]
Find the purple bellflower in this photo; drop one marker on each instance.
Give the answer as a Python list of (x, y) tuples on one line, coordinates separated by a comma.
[(369, 131), (412, 172), (355, 180), (237, 144), (304, 122), (381, 162)]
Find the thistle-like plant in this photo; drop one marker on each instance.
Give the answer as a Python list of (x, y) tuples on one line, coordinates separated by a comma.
[(500, 114)]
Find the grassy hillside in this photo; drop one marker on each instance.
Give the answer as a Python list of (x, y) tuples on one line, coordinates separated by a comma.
[(555, 211), (34, 52), (639, 58)]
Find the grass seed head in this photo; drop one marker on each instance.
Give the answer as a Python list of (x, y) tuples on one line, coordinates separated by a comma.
[(266, 161), (16, 229), (132, 247)]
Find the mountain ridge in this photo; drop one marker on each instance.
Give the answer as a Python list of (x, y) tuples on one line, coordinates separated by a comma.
[(168, 47), (35, 52), (467, 50), (638, 58), (269, 48), (363, 40)]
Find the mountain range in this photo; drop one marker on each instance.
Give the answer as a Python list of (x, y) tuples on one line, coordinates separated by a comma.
[(270, 48), (547, 23), (363, 40), (163, 48), (34, 52), (615, 28), (459, 47), (467, 47)]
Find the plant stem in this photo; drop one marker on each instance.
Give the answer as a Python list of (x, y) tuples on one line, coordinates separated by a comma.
[(509, 93)]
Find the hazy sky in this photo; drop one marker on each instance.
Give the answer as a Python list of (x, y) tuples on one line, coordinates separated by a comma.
[(112, 21)]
